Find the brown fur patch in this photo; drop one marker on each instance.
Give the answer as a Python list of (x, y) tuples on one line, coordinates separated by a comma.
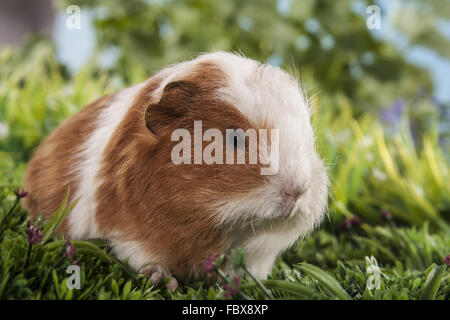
[(166, 207), (49, 173)]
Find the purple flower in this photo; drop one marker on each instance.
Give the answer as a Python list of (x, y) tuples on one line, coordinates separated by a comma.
[(210, 263), (385, 215), (394, 113), (232, 289), (20, 194), (350, 223), (71, 251), (34, 234), (447, 259), (346, 224), (356, 222)]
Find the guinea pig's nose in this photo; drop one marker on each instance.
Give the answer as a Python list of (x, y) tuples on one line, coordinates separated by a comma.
[(290, 194)]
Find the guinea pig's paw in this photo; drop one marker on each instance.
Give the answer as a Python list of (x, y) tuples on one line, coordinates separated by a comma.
[(158, 273), (172, 285)]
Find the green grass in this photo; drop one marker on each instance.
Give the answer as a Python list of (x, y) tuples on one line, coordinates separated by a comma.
[(325, 266), (371, 171)]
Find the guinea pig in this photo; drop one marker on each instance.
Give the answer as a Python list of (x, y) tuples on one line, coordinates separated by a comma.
[(165, 217)]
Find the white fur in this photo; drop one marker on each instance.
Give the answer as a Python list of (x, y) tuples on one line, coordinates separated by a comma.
[(82, 218), (133, 252)]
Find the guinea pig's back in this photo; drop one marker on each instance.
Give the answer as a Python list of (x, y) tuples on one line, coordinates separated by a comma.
[(51, 170), (69, 158)]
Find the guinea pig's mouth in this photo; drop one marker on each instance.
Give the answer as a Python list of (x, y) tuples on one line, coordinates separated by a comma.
[(284, 211), (281, 212)]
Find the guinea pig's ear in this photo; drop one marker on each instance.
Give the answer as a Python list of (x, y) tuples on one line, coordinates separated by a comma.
[(173, 104)]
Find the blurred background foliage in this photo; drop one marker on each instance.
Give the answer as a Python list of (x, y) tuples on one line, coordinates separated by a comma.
[(327, 42)]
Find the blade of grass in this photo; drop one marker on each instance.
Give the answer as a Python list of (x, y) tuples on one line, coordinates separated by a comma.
[(293, 288), (433, 282), (325, 279)]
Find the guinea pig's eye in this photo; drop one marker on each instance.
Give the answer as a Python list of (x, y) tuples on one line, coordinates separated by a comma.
[(236, 139)]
